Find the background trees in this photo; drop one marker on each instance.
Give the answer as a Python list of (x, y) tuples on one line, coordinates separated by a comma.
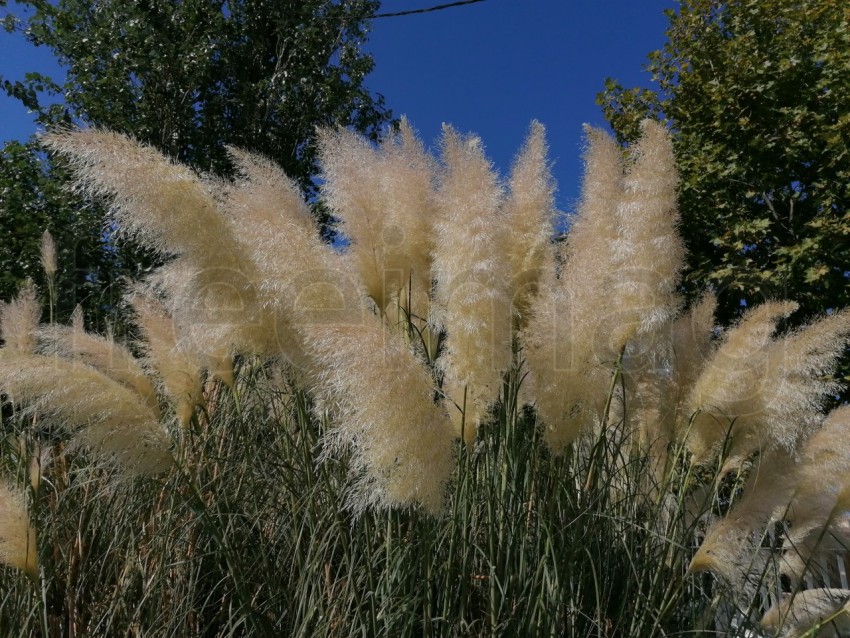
[(758, 98), (189, 78)]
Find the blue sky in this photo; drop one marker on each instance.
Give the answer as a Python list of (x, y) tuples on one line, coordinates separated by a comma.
[(488, 68), (493, 67)]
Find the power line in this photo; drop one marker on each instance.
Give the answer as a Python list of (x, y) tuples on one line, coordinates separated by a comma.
[(438, 7)]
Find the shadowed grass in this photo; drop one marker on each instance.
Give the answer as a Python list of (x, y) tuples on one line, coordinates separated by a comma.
[(249, 536)]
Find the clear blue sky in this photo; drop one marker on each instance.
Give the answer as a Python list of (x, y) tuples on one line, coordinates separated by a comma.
[(493, 67), (489, 68)]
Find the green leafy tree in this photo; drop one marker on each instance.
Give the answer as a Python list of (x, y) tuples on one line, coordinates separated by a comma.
[(189, 77), (33, 198), (757, 94)]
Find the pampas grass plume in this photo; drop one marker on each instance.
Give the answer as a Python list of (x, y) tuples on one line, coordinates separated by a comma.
[(381, 401), (173, 211), (180, 371), (530, 209), (303, 279), (384, 198), (352, 172), (17, 536), (648, 250), (561, 343), (105, 416), (48, 254), (102, 353), (472, 291), (728, 388), (19, 321), (797, 614)]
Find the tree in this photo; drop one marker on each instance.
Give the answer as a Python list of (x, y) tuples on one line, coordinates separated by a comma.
[(757, 94), (33, 198), (191, 77)]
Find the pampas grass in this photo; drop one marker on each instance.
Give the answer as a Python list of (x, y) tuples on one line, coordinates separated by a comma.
[(17, 537), (444, 424), (19, 320), (104, 415), (101, 353), (472, 292)]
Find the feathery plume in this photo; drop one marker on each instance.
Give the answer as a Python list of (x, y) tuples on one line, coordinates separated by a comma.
[(806, 492), (48, 263), (821, 495), (796, 615), (409, 185), (179, 370), (691, 345), (384, 198), (797, 382), (304, 282), (381, 399), (772, 390), (101, 353), (19, 320), (662, 378), (472, 291), (105, 416), (172, 211), (730, 548), (279, 198), (530, 211), (161, 202), (648, 250), (352, 173), (561, 338), (725, 397), (48, 255), (17, 536)]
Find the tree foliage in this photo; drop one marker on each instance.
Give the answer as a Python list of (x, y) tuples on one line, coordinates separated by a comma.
[(192, 77), (757, 94), (33, 198)]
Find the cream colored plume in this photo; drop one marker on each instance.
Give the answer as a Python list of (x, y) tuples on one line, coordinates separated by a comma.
[(102, 353), (472, 273), (384, 198), (562, 345), (530, 211), (47, 251), (173, 211), (797, 378), (409, 185), (648, 251), (178, 369), (105, 416), (798, 614), (19, 320), (691, 340), (279, 198), (726, 399), (381, 401), (304, 282), (730, 548), (807, 490), (662, 378), (817, 509), (773, 391), (17, 536)]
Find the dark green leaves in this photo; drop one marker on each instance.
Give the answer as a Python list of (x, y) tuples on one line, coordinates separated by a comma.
[(758, 97)]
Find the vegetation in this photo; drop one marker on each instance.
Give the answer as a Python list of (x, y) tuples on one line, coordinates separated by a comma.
[(190, 79), (756, 96), (308, 442)]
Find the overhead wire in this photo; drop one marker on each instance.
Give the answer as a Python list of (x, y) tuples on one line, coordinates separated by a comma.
[(438, 7)]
